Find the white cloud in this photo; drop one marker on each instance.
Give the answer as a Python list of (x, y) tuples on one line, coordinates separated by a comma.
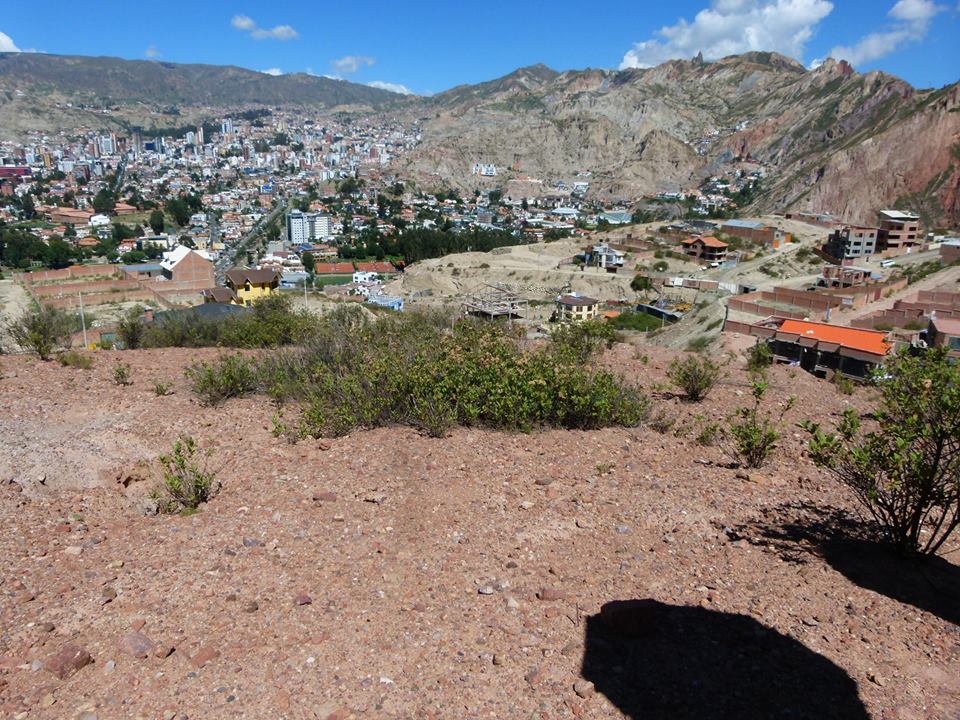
[(912, 20), (352, 63), (392, 87), (242, 22), (272, 71), (6, 44), (278, 32), (152, 52), (729, 27)]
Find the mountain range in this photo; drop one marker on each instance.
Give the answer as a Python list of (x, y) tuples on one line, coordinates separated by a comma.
[(828, 139)]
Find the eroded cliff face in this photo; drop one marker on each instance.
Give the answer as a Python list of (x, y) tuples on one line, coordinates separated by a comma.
[(830, 139)]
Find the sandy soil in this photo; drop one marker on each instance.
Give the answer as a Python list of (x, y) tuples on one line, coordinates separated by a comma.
[(390, 575)]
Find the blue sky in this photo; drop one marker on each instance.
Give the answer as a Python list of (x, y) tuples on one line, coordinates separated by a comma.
[(427, 47)]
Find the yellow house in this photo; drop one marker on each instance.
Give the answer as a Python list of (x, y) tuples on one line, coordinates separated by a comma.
[(576, 308), (250, 285)]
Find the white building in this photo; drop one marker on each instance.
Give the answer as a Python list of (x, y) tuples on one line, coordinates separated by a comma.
[(306, 227), (362, 276)]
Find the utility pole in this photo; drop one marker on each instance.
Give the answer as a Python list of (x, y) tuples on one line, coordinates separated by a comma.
[(83, 321)]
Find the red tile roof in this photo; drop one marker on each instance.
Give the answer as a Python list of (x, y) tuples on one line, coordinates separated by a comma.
[(871, 341)]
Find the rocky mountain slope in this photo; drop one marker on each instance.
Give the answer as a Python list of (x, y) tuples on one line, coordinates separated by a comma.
[(829, 139), (390, 575)]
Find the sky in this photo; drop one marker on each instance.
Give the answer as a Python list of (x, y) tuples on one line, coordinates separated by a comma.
[(426, 47)]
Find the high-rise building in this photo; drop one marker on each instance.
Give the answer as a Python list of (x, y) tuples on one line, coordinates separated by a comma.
[(200, 135), (306, 227)]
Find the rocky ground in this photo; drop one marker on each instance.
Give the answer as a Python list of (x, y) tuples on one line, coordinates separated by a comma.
[(390, 575)]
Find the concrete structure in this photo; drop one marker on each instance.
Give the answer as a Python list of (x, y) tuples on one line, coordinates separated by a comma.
[(492, 302), (576, 308), (843, 276), (950, 251), (706, 248), (851, 242), (899, 231), (756, 231)]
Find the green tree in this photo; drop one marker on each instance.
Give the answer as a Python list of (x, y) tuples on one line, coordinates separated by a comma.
[(60, 253), (309, 262), (157, 221), (179, 211), (29, 209), (904, 465), (104, 201)]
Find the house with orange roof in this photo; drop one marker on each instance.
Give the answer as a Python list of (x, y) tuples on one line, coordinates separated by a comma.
[(708, 248), (826, 350)]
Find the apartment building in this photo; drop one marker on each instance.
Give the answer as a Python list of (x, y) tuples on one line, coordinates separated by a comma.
[(307, 227), (851, 242), (899, 231)]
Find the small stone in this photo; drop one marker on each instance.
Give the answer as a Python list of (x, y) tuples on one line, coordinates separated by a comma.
[(511, 603), (323, 445), (163, 651), (303, 599), (325, 497), (109, 666), (48, 700), (108, 595), (69, 660), (569, 649), (622, 529), (137, 625), (251, 542), (115, 564), (136, 645), (375, 498), (534, 676), (73, 550), (512, 565), (543, 482), (583, 688), (877, 679), (169, 715), (810, 622), (251, 606), (551, 594), (498, 659), (203, 656), (526, 505), (46, 627), (486, 590)]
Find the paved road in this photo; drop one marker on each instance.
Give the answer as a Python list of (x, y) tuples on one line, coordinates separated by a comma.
[(231, 256)]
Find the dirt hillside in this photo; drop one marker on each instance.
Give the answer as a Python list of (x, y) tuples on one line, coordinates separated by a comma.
[(389, 575)]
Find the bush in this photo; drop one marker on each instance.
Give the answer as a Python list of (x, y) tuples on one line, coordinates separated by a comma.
[(131, 329), (709, 435), (580, 340), (844, 385), (186, 485), (413, 369), (904, 468), (660, 266), (161, 389), (754, 435), (121, 374), (637, 321), (641, 283), (42, 331), (759, 357), (694, 375), (230, 376), (74, 359)]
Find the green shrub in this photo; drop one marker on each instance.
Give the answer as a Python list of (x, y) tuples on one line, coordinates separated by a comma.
[(904, 467), (696, 376), (121, 374), (636, 321), (161, 389), (641, 283), (699, 344), (131, 329), (578, 341), (662, 421), (661, 266), (230, 376), (74, 359), (186, 484), (413, 369), (759, 357), (754, 435), (844, 385), (709, 435), (42, 331)]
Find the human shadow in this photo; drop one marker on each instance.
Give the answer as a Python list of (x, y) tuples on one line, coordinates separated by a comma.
[(855, 549), (667, 662)]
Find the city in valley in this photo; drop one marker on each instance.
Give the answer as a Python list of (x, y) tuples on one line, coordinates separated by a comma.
[(627, 392)]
